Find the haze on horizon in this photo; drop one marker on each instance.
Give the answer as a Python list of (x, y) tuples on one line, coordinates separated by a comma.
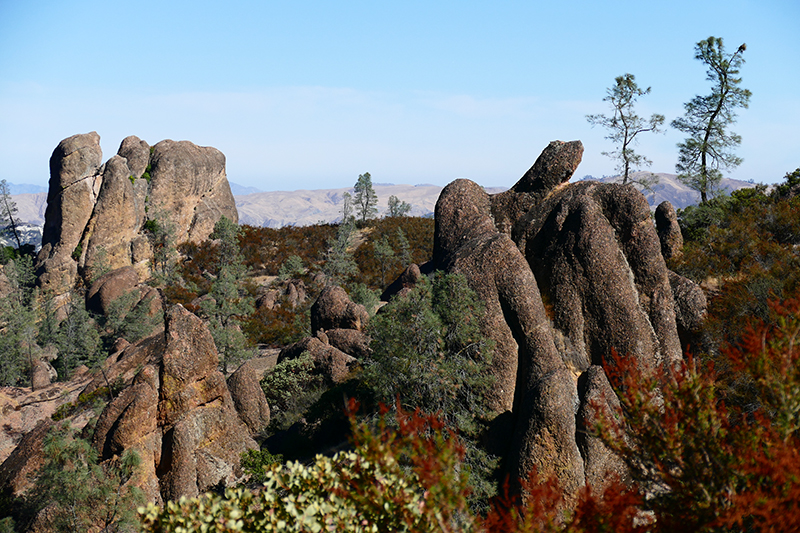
[(310, 94)]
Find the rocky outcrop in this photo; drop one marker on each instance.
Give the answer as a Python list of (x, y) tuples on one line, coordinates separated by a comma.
[(96, 213), (570, 274), (331, 363), (669, 231), (334, 310), (530, 378), (248, 396), (178, 414)]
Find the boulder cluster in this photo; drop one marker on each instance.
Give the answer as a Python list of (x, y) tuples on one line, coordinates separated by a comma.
[(570, 274), (97, 212)]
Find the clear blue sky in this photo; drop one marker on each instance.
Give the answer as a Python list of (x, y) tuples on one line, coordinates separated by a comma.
[(309, 94)]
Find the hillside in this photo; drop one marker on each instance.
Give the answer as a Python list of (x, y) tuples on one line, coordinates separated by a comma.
[(303, 207), (671, 189)]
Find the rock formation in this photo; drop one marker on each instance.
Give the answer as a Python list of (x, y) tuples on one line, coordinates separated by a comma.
[(669, 232), (178, 414), (96, 212), (570, 273)]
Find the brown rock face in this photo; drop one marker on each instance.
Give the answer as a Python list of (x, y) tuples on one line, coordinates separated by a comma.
[(332, 364), (248, 397), (178, 414), (669, 231), (531, 379), (75, 180), (109, 287), (334, 310), (95, 214), (569, 273), (189, 183)]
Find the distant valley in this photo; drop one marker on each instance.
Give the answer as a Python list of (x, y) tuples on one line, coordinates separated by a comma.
[(303, 207)]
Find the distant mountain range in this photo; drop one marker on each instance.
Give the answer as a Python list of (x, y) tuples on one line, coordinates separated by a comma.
[(303, 207), (671, 189), (300, 208)]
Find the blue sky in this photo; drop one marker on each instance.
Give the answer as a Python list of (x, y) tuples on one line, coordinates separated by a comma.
[(309, 94)]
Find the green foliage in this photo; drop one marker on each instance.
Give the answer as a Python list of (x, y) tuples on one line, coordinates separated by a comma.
[(385, 256), (18, 325), (792, 184), (428, 353), (709, 146), (77, 339), (291, 388), (77, 252), (161, 232), (8, 214), (229, 301), (624, 126), (292, 267), (365, 199), (397, 208), (256, 463), (130, 318), (395, 480), (86, 400), (410, 237), (339, 263), (361, 294), (85, 494), (745, 246)]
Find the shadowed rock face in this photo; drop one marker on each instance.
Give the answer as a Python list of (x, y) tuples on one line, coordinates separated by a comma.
[(96, 213), (178, 414), (570, 273)]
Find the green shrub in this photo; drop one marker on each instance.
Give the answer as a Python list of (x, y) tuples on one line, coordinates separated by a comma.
[(291, 388)]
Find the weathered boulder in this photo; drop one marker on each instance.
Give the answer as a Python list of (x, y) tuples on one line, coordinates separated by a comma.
[(111, 286), (114, 221), (554, 167), (43, 374), (594, 250), (188, 184), (598, 403), (96, 214), (350, 341), (690, 312), (178, 415), (75, 180), (248, 397), (669, 231), (332, 364), (570, 274), (334, 310), (407, 280), (531, 379), (18, 469)]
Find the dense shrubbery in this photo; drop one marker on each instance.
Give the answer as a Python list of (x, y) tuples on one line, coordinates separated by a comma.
[(718, 469)]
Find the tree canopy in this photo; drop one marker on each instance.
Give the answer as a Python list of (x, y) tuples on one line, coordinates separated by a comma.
[(708, 149)]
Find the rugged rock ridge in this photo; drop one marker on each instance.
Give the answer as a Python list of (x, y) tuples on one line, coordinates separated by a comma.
[(178, 413), (96, 212), (569, 273), (188, 426)]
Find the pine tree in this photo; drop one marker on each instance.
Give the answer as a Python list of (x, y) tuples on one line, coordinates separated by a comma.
[(8, 213), (398, 208), (228, 300), (365, 199), (709, 147), (624, 126)]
